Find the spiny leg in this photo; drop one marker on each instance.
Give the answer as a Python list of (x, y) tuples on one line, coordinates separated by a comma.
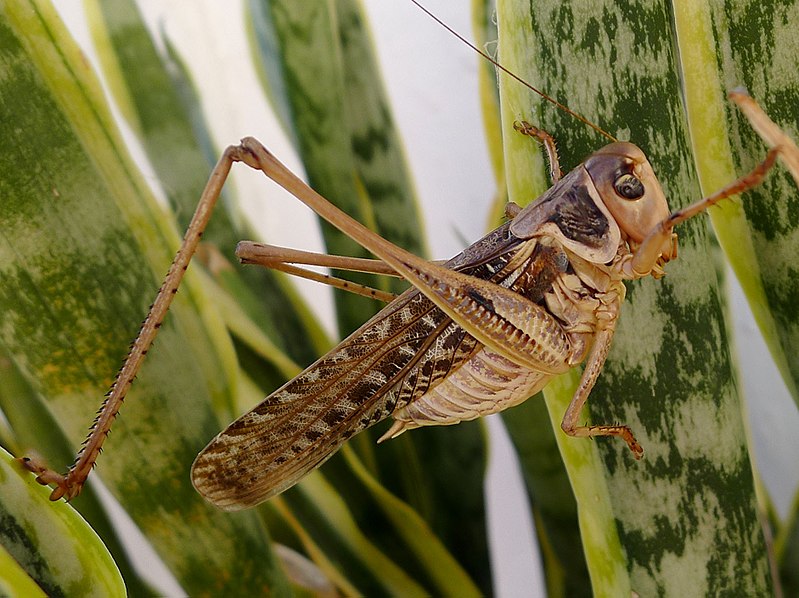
[(70, 484), (337, 283), (284, 259), (593, 367), (525, 128), (266, 255)]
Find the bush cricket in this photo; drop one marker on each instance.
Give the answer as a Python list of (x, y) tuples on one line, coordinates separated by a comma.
[(534, 298)]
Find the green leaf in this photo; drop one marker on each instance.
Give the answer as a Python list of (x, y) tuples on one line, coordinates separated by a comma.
[(551, 497), (669, 374), (34, 426), (51, 542), (14, 582), (787, 552), (82, 243), (485, 33), (343, 126), (758, 231), (324, 523), (548, 489), (448, 578)]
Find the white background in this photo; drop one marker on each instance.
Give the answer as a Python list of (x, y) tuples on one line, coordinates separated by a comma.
[(431, 81)]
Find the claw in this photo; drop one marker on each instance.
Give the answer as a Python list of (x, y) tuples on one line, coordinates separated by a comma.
[(632, 443), (64, 486)]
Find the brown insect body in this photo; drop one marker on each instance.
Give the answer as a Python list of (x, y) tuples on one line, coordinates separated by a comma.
[(564, 256)]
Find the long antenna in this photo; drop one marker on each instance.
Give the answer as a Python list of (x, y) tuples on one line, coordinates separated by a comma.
[(488, 57)]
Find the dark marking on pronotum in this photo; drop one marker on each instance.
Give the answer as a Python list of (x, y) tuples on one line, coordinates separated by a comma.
[(579, 218)]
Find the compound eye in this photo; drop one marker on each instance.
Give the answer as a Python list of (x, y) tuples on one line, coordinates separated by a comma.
[(629, 187)]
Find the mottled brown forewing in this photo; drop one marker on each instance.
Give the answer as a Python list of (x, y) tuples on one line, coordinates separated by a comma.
[(390, 361)]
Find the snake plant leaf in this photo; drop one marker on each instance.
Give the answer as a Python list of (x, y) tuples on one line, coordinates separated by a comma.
[(725, 48), (52, 543), (669, 373), (485, 33), (170, 125), (14, 581), (329, 93), (27, 415), (342, 123), (82, 242), (445, 574), (323, 523), (551, 499)]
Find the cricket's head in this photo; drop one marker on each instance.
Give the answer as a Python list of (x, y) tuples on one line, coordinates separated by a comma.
[(631, 192)]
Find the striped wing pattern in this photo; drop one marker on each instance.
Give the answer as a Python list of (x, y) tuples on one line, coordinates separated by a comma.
[(396, 357)]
